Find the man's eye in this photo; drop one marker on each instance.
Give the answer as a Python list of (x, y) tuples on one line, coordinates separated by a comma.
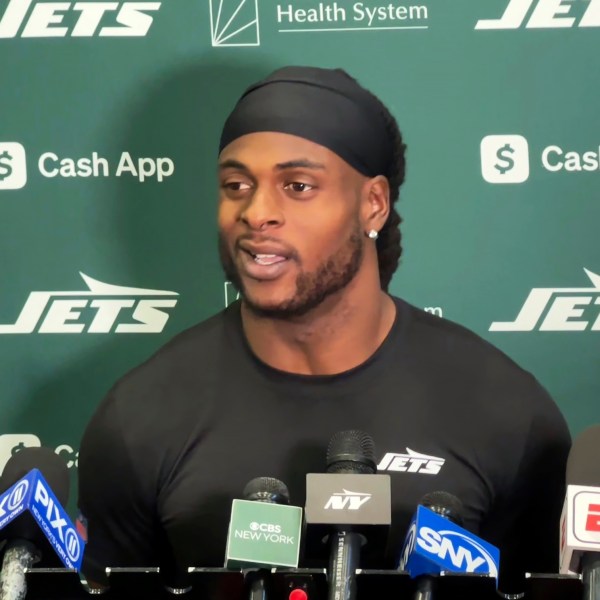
[(236, 186), (298, 186)]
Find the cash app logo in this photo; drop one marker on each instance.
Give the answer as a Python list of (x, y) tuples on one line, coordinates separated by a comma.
[(13, 166), (504, 158)]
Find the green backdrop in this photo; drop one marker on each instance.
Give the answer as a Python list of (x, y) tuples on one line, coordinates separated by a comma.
[(109, 120)]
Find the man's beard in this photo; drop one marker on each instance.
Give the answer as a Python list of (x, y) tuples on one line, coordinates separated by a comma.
[(331, 276)]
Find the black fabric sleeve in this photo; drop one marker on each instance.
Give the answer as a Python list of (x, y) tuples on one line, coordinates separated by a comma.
[(120, 516), (528, 531)]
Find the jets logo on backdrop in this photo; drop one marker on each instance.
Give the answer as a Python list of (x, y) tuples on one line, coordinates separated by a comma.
[(42, 19), (234, 22), (558, 309), (13, 166), (504, 158), (411, 462), (544, 14), (103, 308)]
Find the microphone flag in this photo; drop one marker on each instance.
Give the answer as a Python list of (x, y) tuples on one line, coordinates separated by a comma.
[(435, 544), (263, 534), (33, 494)]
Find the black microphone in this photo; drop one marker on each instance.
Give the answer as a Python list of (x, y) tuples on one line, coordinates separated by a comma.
[(437, 543), (450, 507), (271, 491), (349, 507), (580, 521), (264, 532), (25, 542)]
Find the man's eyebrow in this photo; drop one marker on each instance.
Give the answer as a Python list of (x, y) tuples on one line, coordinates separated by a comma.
[(230, 163), (300, 163)]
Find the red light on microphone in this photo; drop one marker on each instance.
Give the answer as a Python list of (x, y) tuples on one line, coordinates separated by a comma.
[(298, 594)]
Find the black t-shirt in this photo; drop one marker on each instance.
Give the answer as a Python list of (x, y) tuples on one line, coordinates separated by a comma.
[(179, 437)]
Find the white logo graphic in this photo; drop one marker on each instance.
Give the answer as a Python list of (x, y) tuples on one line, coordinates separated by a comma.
[(411, 462), (504, 158), (266, 527), (586, 522), (334, 17), (14, 499), (547, 14), (85, 19), (13, 166), (13, 442), (57, 522), (347, 500), (142, 168), (554, 159), (561, 309), (72, 544), (132, 310), (234, 23), (473, 555), (17, 495)]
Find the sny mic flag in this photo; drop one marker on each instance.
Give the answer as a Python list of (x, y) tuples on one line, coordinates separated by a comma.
[(434, 544)]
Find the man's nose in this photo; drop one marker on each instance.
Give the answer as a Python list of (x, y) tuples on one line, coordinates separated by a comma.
[(262, 210)]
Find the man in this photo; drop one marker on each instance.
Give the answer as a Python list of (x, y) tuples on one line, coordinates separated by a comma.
[(310, 167)]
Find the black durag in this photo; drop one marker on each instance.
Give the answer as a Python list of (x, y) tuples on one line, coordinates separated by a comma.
[(325, 106)]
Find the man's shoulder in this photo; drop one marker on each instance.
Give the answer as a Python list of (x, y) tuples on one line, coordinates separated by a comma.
[(181, 367), (451, 341), (473, 366)]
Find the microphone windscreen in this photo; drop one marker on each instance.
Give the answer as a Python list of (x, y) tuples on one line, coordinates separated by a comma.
[(52, 467), (444, 504), (266, 489), (55, 472), (351, 451)]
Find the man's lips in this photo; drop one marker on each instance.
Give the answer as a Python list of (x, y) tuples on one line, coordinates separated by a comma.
[(263, 260), (265, 250)]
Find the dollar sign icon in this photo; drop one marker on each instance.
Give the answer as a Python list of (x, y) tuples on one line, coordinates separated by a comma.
[(18, 448), (504, 154), (5, 166)]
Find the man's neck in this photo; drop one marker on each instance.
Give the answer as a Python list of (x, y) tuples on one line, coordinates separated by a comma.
[(338, 335)]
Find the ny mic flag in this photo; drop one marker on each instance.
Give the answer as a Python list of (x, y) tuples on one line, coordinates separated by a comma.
[(33, 494)]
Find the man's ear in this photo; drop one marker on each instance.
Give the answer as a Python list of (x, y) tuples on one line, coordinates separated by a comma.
[(376, 203)]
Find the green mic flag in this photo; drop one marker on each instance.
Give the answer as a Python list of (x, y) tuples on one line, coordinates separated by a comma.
[(263, 534)]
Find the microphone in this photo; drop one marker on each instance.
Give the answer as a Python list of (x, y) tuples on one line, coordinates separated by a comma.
[(263, 530), (32, 518), (349, 507), (436, 543), (580, 519)]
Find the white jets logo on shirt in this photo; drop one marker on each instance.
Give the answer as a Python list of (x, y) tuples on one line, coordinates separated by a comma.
[(411, 462)]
